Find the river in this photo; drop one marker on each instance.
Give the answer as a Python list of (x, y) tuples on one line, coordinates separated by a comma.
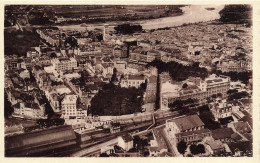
[(191, 14)]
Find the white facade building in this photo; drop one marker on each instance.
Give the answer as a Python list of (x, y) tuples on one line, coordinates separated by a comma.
[(212, 85), (125, 142), (132, 81), (61, 64), (69, 106)]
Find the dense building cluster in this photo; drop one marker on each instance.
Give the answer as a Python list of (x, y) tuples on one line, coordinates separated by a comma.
[(104, 83)]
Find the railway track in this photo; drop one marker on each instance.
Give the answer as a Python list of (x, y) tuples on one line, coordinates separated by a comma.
[(127, 128)]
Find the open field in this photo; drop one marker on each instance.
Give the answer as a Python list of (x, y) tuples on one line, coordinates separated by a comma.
[(108, 10)]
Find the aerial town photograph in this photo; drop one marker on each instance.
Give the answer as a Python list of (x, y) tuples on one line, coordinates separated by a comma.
[(128, 80)]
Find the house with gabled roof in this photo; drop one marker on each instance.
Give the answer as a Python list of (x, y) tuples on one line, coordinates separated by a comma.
[(126, 142), (186, 128), (158, 145)]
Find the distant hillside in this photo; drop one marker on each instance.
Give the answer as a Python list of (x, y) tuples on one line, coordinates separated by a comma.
[(238, 14)]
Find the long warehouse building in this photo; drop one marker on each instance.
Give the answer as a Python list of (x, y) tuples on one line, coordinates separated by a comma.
[(39, 142)]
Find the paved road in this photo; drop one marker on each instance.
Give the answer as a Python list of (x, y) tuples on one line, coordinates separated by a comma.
[(168, 144)]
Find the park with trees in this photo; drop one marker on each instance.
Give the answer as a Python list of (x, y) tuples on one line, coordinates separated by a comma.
[(174, 69), (114, 100)]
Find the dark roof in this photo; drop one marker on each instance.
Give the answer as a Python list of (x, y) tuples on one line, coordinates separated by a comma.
[(127, 137), (157, 132), (249, 136), (242, 127), (217, 144), (235, 103), (40, 138), (13, 129), (17, 105), (214, 81), (31, 105), (154, 149), (196, 132), (152, 79), (115, 124), (188, 122), (166, 154), (222, 133), (135, 77), (242, 146), (246, 101), (236, 137), (247, 118)]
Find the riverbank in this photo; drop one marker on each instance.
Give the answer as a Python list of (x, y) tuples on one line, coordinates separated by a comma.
[(191, 14)]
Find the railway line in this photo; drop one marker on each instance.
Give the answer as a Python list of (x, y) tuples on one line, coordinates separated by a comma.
[(92, 146)]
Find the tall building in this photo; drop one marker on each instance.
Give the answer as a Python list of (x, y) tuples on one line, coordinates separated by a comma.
[(233, 65), (215, 84), (105, 32), (69, 106), (221, 109), (186, 128), (71, 109), (29, 111), (196, 89), (61, 64), (50, 36)]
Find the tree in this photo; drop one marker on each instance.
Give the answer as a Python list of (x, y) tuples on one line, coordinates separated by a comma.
[(39, 20), (186, 111), (196, 64), (8, 109), (193, 149), (157, 42), (114, 78), (236, 14), (182, 146), (127, 28), (55, 83), (7, 23), (238, 95), (113, 100), (208, 119), (143, 85), (174, 69), (137, 142), (197, 149), (241, 55), (204, 108), (185, 85), (214, 96), (232, 91), (103, 155), (189, 101), (48, 109), (72, 41), (236, 76), (122, 76), (176, 105), (19, 42), (219, 95), (53, 55), (50, 122), (118, 149), (99, 37), (201, 148)]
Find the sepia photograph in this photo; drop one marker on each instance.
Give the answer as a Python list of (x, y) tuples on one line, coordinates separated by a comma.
[(128, 80)]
